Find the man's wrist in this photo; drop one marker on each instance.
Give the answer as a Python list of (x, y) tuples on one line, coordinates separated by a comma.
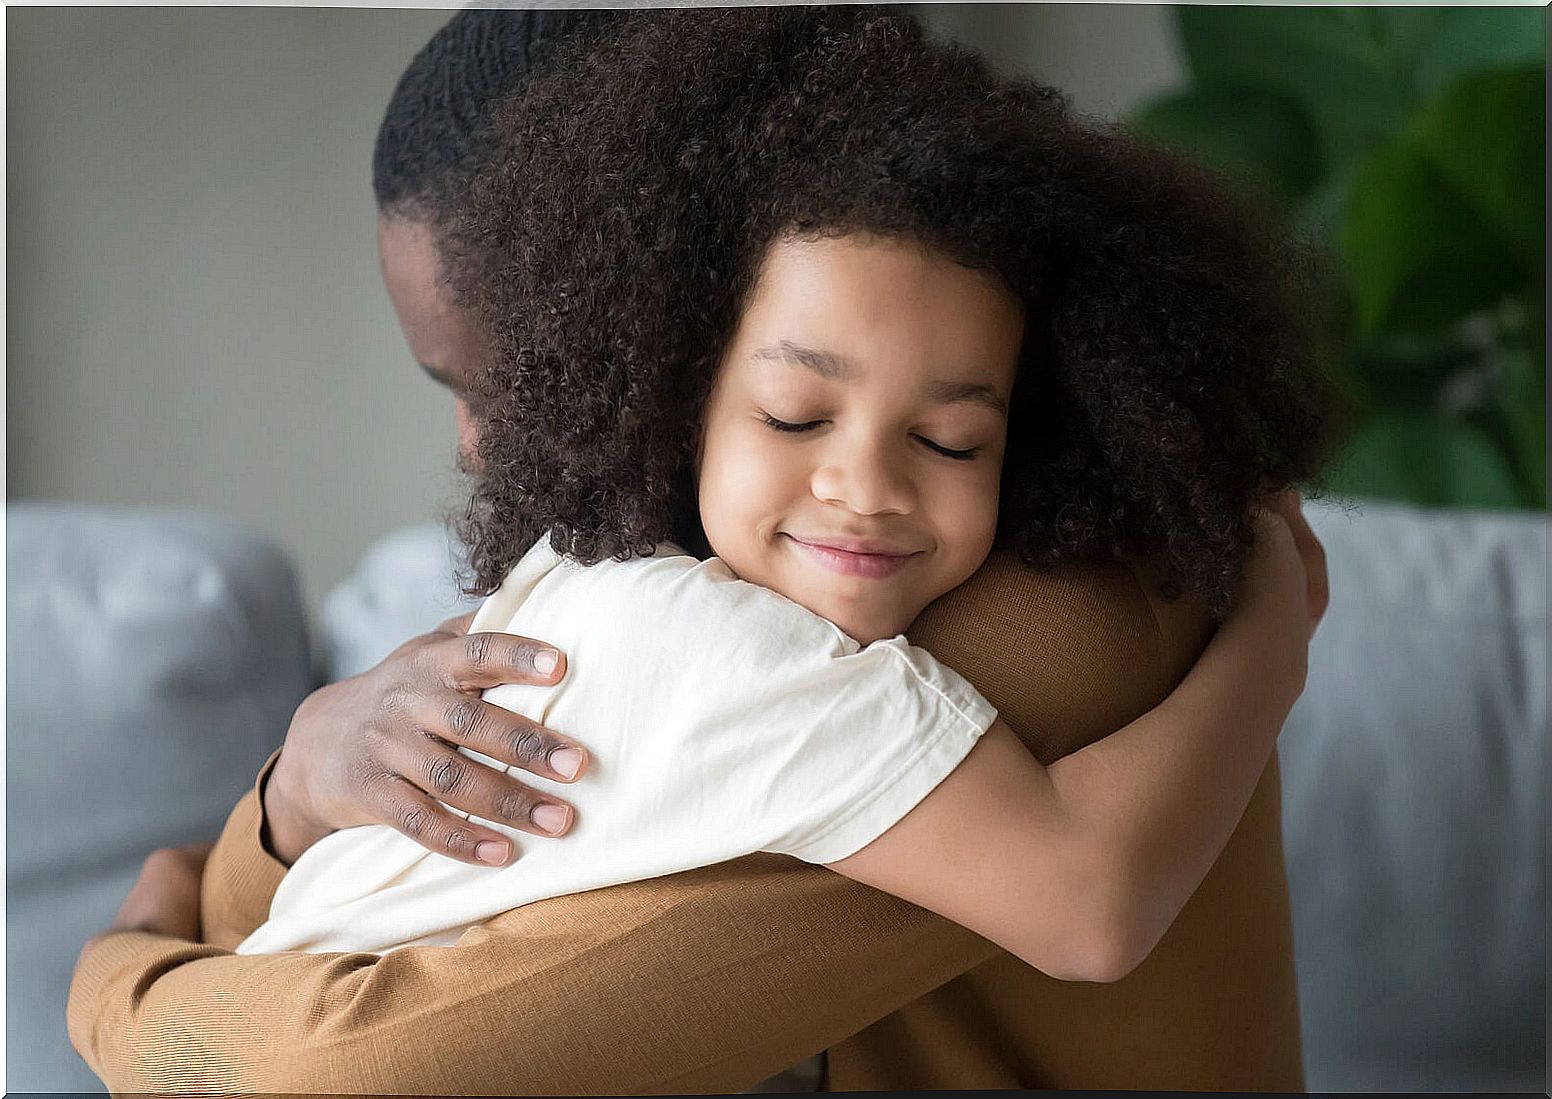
[(285, 829)]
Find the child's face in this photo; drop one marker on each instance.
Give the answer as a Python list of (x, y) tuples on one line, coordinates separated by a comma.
[(888, 355)]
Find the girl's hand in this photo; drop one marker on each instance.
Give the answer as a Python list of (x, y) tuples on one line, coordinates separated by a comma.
[(1284, 590), (1286, 552), (381, 748), (1317, 588)]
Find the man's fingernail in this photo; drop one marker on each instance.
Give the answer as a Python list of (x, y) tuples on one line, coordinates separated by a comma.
[(545, 660), (566, 762), (492, 852), (552, 818)]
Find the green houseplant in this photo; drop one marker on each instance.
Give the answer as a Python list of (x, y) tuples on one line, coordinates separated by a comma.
[(1408, 145)]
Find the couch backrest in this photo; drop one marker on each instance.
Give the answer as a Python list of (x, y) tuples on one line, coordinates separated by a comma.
[(1414, 771)]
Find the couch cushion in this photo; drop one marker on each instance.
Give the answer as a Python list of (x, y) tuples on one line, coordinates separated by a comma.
[(1413, 777), (153, 659), (405, 585)]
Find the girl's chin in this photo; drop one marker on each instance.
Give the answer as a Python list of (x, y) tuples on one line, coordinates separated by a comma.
[(865, 631), (862, 631)]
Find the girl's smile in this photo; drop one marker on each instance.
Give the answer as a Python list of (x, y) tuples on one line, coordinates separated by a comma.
[(855, 557)]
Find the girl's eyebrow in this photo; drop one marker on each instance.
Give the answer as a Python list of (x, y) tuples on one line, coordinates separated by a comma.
[(973, 392), (829, 365)]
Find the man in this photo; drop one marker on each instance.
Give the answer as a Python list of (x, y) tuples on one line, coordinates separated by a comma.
[(710, 980)]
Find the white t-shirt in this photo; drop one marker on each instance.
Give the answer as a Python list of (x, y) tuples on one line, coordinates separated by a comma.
[(720, 719)]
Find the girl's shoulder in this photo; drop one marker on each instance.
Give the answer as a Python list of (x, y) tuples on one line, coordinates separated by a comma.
[(673, 608), (704, 601), (677, 597)]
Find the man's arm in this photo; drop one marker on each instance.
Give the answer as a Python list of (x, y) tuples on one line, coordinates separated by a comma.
[(241, 875), (709, 980), (706, 981), (619, 990)]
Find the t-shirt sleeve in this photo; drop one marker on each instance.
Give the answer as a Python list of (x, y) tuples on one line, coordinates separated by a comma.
[(726, 719), (906, 723), (804, 742)]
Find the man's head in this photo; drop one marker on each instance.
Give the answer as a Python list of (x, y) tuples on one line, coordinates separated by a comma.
[(430, 139)]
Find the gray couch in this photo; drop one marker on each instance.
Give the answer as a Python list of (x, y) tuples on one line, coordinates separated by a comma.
[(154, 658)]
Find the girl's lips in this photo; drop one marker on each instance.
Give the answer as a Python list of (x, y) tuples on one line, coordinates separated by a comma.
[(852, 562)]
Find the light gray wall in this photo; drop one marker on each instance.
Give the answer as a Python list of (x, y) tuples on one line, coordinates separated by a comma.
[(195, 314), (1107, 57), (194, 310)]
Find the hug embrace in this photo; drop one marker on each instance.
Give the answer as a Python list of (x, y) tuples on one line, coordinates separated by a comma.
[(815, 383)]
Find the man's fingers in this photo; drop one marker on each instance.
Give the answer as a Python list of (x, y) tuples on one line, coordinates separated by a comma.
[(475, 661), (493, 731), (472, 787), (405, 807)]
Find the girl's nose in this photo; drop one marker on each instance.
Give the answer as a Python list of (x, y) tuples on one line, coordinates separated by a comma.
[(870, 481)]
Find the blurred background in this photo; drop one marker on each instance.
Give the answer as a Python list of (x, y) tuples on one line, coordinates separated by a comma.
[(224, 467), (195, 315)]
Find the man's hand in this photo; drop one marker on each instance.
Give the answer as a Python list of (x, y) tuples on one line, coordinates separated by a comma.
[(165, 898), (381, 748)]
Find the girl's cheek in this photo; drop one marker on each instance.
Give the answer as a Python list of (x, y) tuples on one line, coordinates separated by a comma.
[(735, 479), (977, 502)]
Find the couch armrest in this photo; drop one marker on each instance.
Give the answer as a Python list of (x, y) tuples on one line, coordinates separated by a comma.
[(153, 660)]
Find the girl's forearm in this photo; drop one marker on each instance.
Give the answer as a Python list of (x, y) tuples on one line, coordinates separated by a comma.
[(1161, 796)]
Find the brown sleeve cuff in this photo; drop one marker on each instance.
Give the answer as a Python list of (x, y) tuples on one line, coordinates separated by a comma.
[(241, 876), (110, 977)]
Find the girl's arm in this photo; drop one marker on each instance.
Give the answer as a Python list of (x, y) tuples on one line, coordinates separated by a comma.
[(1079, 868)]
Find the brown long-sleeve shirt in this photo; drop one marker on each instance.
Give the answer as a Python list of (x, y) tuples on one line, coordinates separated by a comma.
[(714, 979)]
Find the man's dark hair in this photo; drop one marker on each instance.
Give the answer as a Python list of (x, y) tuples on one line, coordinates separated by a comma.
[(432, 131), (1166, 383)]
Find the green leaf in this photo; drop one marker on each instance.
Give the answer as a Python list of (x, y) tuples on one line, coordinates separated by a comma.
[(1423, 458), (1410, 369), (1486, 134), (1336, 62), (1469, 39), (1419, 256), (1319, 216), (1407, 34), (1260, 137)]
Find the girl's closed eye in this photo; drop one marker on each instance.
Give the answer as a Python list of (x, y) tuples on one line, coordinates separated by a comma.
[(786, 426), (790, 428), (949, 452)]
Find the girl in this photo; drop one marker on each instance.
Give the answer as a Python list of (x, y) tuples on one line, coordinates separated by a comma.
[(884, 309)]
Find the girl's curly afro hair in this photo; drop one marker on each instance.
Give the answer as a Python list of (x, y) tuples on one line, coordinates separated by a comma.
[(1165, 386)]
